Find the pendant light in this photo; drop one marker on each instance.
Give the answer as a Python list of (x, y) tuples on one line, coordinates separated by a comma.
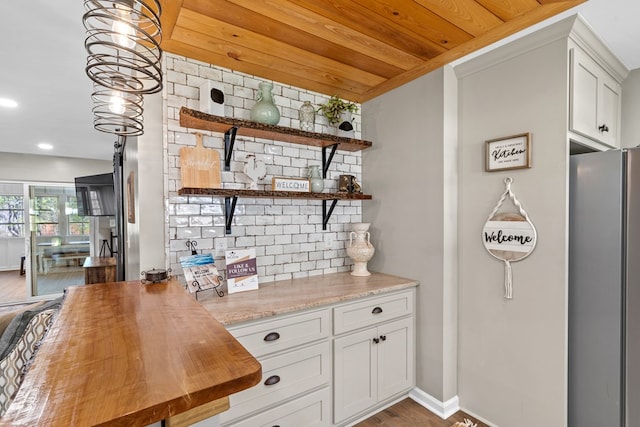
[(124, 60)]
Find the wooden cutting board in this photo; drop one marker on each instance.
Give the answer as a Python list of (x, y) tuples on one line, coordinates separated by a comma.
[(199, 166)]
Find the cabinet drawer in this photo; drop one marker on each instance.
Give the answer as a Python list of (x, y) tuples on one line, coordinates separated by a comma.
[(371, 311), (266, 337), (283, 377), (311, 410)]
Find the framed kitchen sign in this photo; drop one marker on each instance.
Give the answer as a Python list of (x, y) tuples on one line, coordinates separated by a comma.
[(512, 152)]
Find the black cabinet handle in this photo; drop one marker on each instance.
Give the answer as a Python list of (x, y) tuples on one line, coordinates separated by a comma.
[(376, 340), (383, 337), (376, 310), (272, 336), (603, 128), (273, 379)]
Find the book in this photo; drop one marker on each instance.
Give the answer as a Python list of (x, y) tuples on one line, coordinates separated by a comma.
[(200, 273), (242, 273)]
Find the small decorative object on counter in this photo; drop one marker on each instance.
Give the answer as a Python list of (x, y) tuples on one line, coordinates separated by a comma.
[(265, 111), (307, 116), (360, 250), (315, 177), (348, 184), (200, 273), (155, 275), (509, 236), (255, 170)]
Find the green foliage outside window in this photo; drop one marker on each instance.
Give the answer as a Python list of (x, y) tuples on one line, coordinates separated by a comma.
[(11, 216), (46, 215), (78, 225)]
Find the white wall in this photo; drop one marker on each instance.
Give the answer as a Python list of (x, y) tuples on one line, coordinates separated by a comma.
[(411, 171), (513, 353), (31, 168), (630, 132)]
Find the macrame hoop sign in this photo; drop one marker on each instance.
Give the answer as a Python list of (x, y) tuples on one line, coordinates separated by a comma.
[(509, 236)]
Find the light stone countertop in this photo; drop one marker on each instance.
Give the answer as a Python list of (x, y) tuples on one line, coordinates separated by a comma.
[(286, 296)]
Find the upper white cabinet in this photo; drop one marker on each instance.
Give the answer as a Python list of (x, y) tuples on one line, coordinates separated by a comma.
[(595, 90), (594, 111)]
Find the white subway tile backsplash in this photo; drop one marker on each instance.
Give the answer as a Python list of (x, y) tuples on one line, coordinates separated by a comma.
[(287, 234)]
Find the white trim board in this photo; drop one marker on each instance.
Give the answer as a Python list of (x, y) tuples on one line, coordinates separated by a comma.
[(443, 409)]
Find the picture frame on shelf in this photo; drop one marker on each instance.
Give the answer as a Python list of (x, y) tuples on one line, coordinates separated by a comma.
[(508, 153)]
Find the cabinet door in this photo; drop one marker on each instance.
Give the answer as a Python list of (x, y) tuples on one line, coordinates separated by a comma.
[(354, 374), (395, 358), (595, 100), (609, 110)]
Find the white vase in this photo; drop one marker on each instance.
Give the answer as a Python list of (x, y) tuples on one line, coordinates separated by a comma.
[(360, 249)]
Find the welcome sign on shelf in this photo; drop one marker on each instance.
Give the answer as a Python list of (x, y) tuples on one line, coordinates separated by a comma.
[(242, 273)]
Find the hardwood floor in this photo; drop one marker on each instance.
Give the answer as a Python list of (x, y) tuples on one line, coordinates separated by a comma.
[(12, 287), (408, 413)]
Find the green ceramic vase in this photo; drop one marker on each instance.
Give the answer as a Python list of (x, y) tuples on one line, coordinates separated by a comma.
[(264, 110)]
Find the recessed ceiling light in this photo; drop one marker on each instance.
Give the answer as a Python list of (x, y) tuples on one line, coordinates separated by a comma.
[(45, 146), (8, 103)]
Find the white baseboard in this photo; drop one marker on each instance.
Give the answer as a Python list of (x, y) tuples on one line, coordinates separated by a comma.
[(442, 409)]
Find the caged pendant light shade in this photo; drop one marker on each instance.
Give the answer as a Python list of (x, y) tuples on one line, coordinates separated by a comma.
[(123, 37), (117, 111), (123, 60)]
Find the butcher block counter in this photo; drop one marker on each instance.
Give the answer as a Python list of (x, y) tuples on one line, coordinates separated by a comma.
[(127, 353), (286, 296)]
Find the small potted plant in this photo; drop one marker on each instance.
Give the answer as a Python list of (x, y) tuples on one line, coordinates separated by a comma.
[(338, 113)]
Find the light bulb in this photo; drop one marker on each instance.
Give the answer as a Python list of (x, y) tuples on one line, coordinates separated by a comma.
[(116, 103), (123, 32)]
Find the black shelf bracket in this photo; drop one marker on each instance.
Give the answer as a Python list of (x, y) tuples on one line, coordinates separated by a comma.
[(326, 215), (327, 162), (229, 141), (229, 209)]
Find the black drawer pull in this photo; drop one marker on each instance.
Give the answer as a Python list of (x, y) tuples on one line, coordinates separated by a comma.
[(273, 379), (377, 310), (376, 340), (272, 336), (383, 337)]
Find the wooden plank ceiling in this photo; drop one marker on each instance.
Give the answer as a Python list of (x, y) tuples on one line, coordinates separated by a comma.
[(356, 49)]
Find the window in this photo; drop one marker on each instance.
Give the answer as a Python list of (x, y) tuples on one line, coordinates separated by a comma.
[(11, 216), (46, 215), (78, 225)]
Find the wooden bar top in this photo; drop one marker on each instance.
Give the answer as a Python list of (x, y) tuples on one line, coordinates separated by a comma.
[(127, 353), (286, 296)]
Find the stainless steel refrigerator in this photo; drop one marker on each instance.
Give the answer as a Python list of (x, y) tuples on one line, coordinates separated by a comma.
[(604, 289)]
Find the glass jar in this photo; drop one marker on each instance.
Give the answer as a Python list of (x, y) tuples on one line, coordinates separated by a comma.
[(307, 116)]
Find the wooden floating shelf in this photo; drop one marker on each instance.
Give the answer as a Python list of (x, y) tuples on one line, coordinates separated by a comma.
[(224, 192), (198, 120)]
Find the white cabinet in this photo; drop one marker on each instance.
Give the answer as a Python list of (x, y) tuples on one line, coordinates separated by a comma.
[(376, 361), (295, 354), (595, 100), (306, 382)]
